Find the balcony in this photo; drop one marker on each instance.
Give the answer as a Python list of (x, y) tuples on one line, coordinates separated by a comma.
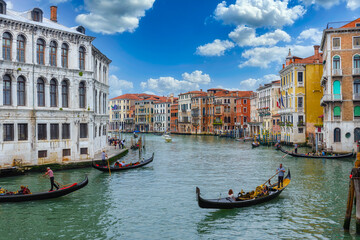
[(323, 81), (301, 124), (331, 98), (356, 71), (300, 109), (356, 96), (217, 122), (218, 113), (337, 72)]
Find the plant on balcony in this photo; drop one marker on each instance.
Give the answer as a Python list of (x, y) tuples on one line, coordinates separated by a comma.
[(80, 74), (218, 122), (289, 124), (301, 124), (281, 124), (319, 125)]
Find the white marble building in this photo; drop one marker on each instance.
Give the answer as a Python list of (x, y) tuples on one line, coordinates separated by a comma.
[(162, 116), (53, 103)]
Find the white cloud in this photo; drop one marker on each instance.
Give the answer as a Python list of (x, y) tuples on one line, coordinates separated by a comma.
[(197, 77), (312, 33), (114, 68), (118, 86), (165, 85), (353, 4), (9, 5), (216, 48), (252, 83), (245, 36), (112, 16), (258, 13), (323, 3), (264, 56)]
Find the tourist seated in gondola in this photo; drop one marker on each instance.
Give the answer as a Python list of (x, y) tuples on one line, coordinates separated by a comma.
[(122, 164), (117, 164), (24, 190), (231, 194)]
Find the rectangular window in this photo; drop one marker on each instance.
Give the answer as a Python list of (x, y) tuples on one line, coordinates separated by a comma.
[(300, 102), (42, 154), (8, 132), (83, 151), (301, 130), (300, 78), (66, 152), (245, 120), (336, 43), (22, 131), (83, 130), (54, 131), (42, 133), (245, 101), (356, 42), (245, 109), (65, 131)]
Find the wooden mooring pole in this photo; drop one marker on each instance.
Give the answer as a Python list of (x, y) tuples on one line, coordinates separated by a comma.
[(354, 191)]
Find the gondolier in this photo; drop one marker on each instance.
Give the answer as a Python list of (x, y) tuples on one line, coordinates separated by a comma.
[(103, 157), (50, 173), (281, 172)]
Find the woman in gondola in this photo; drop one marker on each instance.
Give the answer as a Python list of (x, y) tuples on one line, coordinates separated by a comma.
[(231, 194)]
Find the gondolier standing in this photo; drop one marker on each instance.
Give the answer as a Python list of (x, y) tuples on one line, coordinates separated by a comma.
[(50, 173), (281, 172), (296, 147), (103, 157)]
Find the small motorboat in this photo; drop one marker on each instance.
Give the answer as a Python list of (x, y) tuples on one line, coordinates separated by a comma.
[(168, 139)]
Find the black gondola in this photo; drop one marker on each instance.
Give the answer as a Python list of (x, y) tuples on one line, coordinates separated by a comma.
[(347, 155), (134, 147), (44, 195), (115, 169), (228, 203), (255, 145)]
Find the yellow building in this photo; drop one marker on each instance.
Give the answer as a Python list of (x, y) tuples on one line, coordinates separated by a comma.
[(300, 101)]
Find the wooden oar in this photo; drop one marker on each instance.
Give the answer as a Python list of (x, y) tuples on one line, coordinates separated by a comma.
[(109, 166), (285, 155), (271, 178)]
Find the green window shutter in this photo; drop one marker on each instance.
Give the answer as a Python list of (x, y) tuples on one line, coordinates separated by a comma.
[(337, 111), (336, 87), (357, 111)]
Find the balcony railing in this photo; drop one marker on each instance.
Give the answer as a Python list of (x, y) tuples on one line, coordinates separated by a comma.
[(356, 71), (331, 98), (356, 96), (337, 72), (300, 109)]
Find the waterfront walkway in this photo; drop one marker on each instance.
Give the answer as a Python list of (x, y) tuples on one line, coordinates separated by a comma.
[(110, 151)]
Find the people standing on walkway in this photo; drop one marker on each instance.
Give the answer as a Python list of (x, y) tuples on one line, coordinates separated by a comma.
[(103, 157), (50, 173), (281, 172)]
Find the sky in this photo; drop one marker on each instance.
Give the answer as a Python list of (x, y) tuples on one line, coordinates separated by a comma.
[(174, 46)]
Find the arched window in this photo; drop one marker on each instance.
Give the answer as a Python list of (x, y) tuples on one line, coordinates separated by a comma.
[(53, 93), (65, 94), (337, 135), (64, 55), (357, 61), (53, 49), (20, 51), (40, 51), (7, 38), (337, 89), (40, 92), (357, 111), (356, 134), (336, 62), (337, 111), (82, 58), (6, 90), (82, 95), (2, 7), (21, 91)]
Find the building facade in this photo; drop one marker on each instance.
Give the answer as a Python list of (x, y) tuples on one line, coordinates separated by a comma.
[(341, 86), (54, 94)]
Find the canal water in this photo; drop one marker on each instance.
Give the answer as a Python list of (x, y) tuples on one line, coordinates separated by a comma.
[(158, 201)]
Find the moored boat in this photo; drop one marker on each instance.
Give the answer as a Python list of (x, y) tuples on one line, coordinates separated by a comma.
[(126, 167), (254, 145), (228, 203), (333, 156), (44, 195)]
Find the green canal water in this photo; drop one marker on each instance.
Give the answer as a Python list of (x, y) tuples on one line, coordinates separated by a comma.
[(158, 201)]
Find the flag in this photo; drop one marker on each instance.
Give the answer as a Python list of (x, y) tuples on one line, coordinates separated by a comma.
[(278, 103), (282, 101)]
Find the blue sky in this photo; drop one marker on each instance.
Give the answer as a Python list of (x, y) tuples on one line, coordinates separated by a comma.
[(172, 46)]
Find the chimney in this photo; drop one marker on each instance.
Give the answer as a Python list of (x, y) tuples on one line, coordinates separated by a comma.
[(283, 66), (316, 50), (53, 13)]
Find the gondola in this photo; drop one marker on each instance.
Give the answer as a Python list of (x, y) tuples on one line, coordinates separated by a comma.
[(254, 145), (347, 155), (127, 167), (277, 147), (44, 195), (228, 203), (134, 147)]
